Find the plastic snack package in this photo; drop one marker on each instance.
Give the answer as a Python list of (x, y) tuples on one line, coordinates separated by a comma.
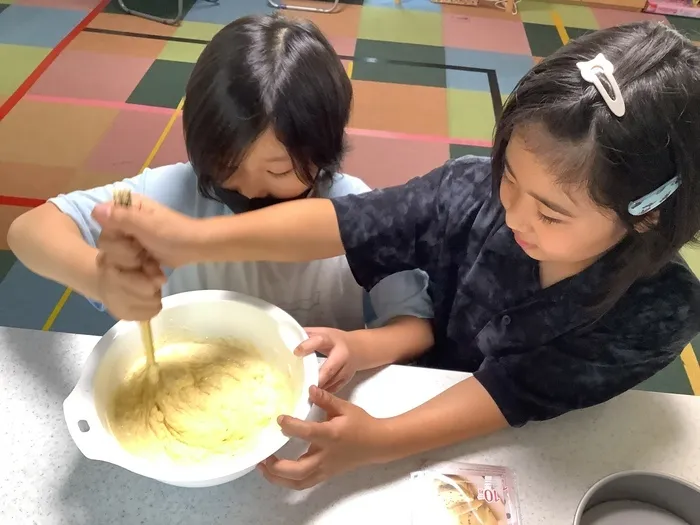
[(463, 494)]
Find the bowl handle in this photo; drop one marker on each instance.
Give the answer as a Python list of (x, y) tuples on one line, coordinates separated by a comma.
[(84, 424)]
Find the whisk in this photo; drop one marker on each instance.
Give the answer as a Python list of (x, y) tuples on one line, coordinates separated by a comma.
[(122, 197)]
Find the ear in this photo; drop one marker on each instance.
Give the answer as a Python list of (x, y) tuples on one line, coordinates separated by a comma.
[(648, 222)]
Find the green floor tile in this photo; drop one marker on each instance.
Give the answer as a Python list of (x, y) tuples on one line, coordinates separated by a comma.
[(198, 30), (163, 85), (17, 64), (470, 114), (691, 254), (7, 259), (181, 52), (536, 12), (543, 39), (460, 150), (671, 380), (576, 16), (407, 26), (577, 32), (382, 70), (395, 51), (162, 8), (186, 51), (690, 27)]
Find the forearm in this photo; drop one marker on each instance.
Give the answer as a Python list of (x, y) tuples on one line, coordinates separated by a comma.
[(462, 412), (303, 230), (403, 339), (49, 243)]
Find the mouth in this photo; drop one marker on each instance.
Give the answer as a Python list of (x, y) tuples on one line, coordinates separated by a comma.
[(522, 243)]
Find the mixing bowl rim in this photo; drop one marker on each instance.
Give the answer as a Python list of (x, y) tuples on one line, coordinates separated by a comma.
[(84, 394)]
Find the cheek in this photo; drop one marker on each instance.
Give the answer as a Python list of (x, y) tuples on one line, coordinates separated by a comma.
[(286, 187), (577, 242), (505, 194)]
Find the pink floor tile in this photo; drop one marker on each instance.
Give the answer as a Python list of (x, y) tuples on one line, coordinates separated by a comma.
[(84, 74), (485, 34), (343, 45), (127, 144), (172, 150), (616, 17), (382, 162)]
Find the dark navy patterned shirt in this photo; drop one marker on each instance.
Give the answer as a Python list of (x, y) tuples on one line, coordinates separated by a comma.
[(538, 352)]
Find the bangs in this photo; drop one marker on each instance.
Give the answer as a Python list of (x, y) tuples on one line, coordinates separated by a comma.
[(570, 162)]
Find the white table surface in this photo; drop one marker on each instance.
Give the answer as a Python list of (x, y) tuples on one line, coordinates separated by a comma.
[(45, 480)]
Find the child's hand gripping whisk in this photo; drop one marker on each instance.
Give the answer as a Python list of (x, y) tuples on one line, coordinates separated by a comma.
[(122, 197)]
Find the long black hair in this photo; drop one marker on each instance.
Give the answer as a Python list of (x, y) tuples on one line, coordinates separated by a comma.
[(263, 72), (619, 159)]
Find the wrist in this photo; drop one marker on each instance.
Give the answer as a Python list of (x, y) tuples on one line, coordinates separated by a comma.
[(386, 442), (206, 241), (362, 356), (85, 279)]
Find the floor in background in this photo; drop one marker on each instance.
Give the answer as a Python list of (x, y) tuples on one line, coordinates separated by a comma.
[(88, 95)]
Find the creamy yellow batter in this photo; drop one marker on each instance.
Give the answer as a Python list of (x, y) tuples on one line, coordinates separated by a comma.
[(211, 398)]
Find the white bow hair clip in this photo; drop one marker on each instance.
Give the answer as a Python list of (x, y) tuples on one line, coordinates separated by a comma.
[(590, 72)]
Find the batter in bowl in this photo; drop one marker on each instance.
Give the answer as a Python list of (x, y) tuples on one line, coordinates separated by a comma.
[(213, 398)]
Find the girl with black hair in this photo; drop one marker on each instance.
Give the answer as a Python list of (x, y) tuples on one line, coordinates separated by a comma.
[(554, 267), (264, 122)]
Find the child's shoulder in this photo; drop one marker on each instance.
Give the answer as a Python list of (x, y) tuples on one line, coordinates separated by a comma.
[(175, 186), (341, 184), (669, 300)]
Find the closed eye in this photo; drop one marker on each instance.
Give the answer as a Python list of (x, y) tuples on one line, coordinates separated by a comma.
[(281, 174), (549, 220)]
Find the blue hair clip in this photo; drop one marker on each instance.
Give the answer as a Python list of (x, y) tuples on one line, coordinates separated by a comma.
[(654, 199)]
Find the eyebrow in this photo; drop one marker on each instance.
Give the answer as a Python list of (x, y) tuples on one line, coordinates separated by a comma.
[(551, 205)]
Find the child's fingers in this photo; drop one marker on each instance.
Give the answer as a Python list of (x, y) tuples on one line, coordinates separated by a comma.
[(315, 343), (330, 370), (121, 252), (153, 270), (134, 283)]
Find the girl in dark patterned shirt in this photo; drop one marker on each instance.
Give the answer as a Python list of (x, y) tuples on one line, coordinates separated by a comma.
[(554, 267)]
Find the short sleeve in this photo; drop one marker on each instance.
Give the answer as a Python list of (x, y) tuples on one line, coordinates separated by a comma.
[(78, 205), (400, 294), (174, 186), (391, 230), (634, 341)]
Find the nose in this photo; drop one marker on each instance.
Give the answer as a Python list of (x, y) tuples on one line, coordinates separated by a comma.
[(516, 211)]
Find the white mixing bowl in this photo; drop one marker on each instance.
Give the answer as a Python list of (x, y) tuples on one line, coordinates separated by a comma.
[(188, 316)]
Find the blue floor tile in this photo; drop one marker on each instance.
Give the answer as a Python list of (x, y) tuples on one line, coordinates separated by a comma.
[(509, 68), (78, 316), (226, 10), (469, 80), (37, 26), (27, 300)]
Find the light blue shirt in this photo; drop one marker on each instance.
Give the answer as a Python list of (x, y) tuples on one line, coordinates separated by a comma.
[(318, 293)]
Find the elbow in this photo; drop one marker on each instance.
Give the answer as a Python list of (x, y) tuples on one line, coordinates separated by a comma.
[(21, 235), (17, 231)]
